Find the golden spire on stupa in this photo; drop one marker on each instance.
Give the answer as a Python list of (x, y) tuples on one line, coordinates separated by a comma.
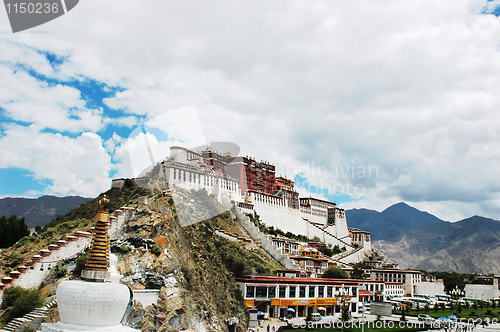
[(98, 256)]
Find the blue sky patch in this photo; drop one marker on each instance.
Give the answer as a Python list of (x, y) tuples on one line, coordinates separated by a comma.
[(337, 197), (16, 182)]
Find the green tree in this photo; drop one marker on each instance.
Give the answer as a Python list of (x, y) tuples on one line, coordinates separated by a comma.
[(315, 239), (335, 273), (326, 251), (80, 264), (452, 281), (19, 301), (12, 230), (357, 273)]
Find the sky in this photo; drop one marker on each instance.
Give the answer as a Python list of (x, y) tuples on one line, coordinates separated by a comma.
[(365, 103)]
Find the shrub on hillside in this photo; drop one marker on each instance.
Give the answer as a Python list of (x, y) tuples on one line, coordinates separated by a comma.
[(155, 249), (125, 248), (61, 270), (19, 301), (80, 264)]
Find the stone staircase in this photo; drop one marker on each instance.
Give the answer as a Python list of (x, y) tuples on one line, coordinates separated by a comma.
[(348, 245), (264, 241), (34, 270), (32, 319)]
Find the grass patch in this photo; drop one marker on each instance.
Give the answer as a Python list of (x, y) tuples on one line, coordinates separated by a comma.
[(465, 313)]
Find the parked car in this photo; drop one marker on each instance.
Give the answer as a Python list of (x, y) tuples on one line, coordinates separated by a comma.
[(425, 318), (316, 316)]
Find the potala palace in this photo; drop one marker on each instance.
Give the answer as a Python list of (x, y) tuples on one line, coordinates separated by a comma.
[(253, 187)]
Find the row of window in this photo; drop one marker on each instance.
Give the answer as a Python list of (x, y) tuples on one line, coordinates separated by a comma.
[(207, 180), (295, 291), (374, 287)]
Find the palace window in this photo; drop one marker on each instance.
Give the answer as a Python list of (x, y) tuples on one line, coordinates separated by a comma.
[(321, 291), (312, 291), (250, 291), (272, 292), (282, 291), (302, 291), (261, 291)]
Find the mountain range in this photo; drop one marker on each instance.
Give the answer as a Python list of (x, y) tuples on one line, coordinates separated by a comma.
[(418, 240), (39, 211), (405, 235), (389, 223), (470, 245)]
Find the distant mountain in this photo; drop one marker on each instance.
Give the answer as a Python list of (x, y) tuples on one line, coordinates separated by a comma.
[(471, 245), (389, 223), (39, 211)]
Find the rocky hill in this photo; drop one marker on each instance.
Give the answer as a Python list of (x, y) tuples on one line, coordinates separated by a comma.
[(471, 245), (192, 266), (39, 211)]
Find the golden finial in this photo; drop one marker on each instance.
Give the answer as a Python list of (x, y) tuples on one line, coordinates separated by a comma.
[(103, 204), (98, 256)]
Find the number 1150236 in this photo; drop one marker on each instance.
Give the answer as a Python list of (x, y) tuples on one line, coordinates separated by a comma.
[(32, 8)]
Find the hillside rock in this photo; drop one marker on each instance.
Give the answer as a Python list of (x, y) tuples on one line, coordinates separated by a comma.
[(197, 291)]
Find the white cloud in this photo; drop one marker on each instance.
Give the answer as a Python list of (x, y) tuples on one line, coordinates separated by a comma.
[(76, 166), (409, 88), (25, 98), (179, 127)]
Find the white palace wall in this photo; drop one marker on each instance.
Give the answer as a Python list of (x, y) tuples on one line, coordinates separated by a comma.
[(274, 212), (224, 189)]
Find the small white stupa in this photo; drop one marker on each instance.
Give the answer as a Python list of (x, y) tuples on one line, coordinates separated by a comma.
[(98, 302)]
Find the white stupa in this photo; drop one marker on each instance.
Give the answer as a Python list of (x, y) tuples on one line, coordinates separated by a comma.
[(99, 302)]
